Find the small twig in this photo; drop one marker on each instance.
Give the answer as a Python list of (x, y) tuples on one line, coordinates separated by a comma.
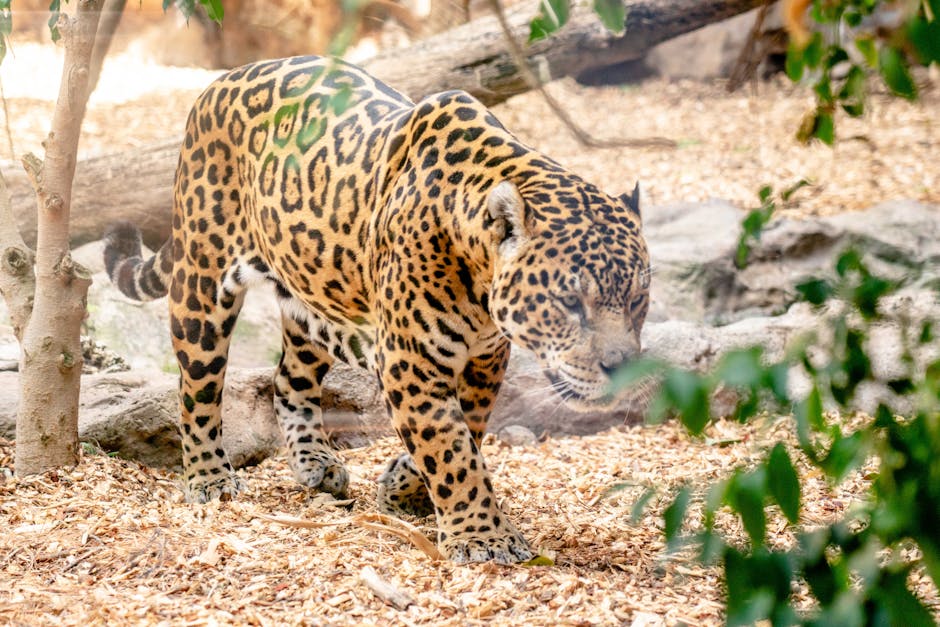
[(303, 523), (111, 14), (747, 61), (78, 560), (400, 528), (585, 138), (384, 590)]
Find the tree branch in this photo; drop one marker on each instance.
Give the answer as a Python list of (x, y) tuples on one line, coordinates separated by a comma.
[(111, 14), (585, 138)]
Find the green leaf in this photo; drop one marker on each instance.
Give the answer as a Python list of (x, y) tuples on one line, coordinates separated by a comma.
[(824, 582), (742, 368), (764, 193), (845, 454), (55, 8), (866, 46), (613, 14), (894, 70), (776, 379), (852, 93), (866, 295), (636, 512), (809, 419), (900, 604), (675, 514), (925, 36), (824, 127), (339, 101), (784, 483), (687, 393), (553, 14), (539, 560), (848, 261), (634, 372), (6, 26), (836, 55), (750, 599), (786, 194), (186, 7), (214, 9), (926, 333), (795, 63), (746, 496), (901, 386), (815, 291), (813, 53)]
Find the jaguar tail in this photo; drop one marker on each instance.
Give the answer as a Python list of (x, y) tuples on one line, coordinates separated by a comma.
[(135, 277)]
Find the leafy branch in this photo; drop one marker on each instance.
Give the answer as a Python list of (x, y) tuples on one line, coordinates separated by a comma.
[(857, 567), (857, 38)]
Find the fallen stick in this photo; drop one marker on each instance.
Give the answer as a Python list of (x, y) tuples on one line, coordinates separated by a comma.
[(384, 590)]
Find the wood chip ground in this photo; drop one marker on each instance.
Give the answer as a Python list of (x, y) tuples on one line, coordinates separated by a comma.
[(112, 543)]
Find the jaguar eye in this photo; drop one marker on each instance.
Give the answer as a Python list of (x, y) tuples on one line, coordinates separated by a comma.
[(571, 302)]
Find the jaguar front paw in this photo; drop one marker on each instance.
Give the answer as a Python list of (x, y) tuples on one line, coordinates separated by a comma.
[(402, 491), (508, 547)]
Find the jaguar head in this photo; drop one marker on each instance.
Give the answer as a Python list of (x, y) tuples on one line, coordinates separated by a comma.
[(571, 283)]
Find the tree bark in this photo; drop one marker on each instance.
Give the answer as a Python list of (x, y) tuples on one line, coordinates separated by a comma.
[(136, 185), (51, 358)]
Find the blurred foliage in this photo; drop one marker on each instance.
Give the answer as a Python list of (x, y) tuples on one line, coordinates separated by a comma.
[(553, 14), (857, 567), (6, 26), (856, 38), (213, 9)]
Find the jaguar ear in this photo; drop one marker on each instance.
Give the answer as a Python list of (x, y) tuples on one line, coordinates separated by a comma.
[(506, 209), (632, 201)]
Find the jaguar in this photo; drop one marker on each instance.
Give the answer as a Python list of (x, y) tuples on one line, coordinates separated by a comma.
[(419, 240)]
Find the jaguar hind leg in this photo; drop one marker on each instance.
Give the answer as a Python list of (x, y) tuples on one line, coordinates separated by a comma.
[(297, 390), (202, 316)]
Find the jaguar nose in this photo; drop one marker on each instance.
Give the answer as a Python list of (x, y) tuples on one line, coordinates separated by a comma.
[(611, 360)]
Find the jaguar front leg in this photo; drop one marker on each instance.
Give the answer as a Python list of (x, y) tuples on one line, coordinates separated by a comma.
[(401, 487), (426, 412)]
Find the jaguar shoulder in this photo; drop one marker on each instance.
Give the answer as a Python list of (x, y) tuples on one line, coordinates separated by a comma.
[(415, 239)]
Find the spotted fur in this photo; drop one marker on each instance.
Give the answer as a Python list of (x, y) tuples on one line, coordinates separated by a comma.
[(413, 239)]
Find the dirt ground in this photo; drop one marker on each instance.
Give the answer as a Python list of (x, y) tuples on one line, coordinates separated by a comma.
[(112, 543)]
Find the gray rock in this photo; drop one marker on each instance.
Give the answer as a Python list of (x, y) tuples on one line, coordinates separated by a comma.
[(692, 249), (517, 435)]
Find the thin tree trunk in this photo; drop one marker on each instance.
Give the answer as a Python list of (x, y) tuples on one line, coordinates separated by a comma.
[(51, 360)]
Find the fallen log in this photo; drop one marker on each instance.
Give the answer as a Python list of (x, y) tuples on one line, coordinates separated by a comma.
[(135, 185)]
